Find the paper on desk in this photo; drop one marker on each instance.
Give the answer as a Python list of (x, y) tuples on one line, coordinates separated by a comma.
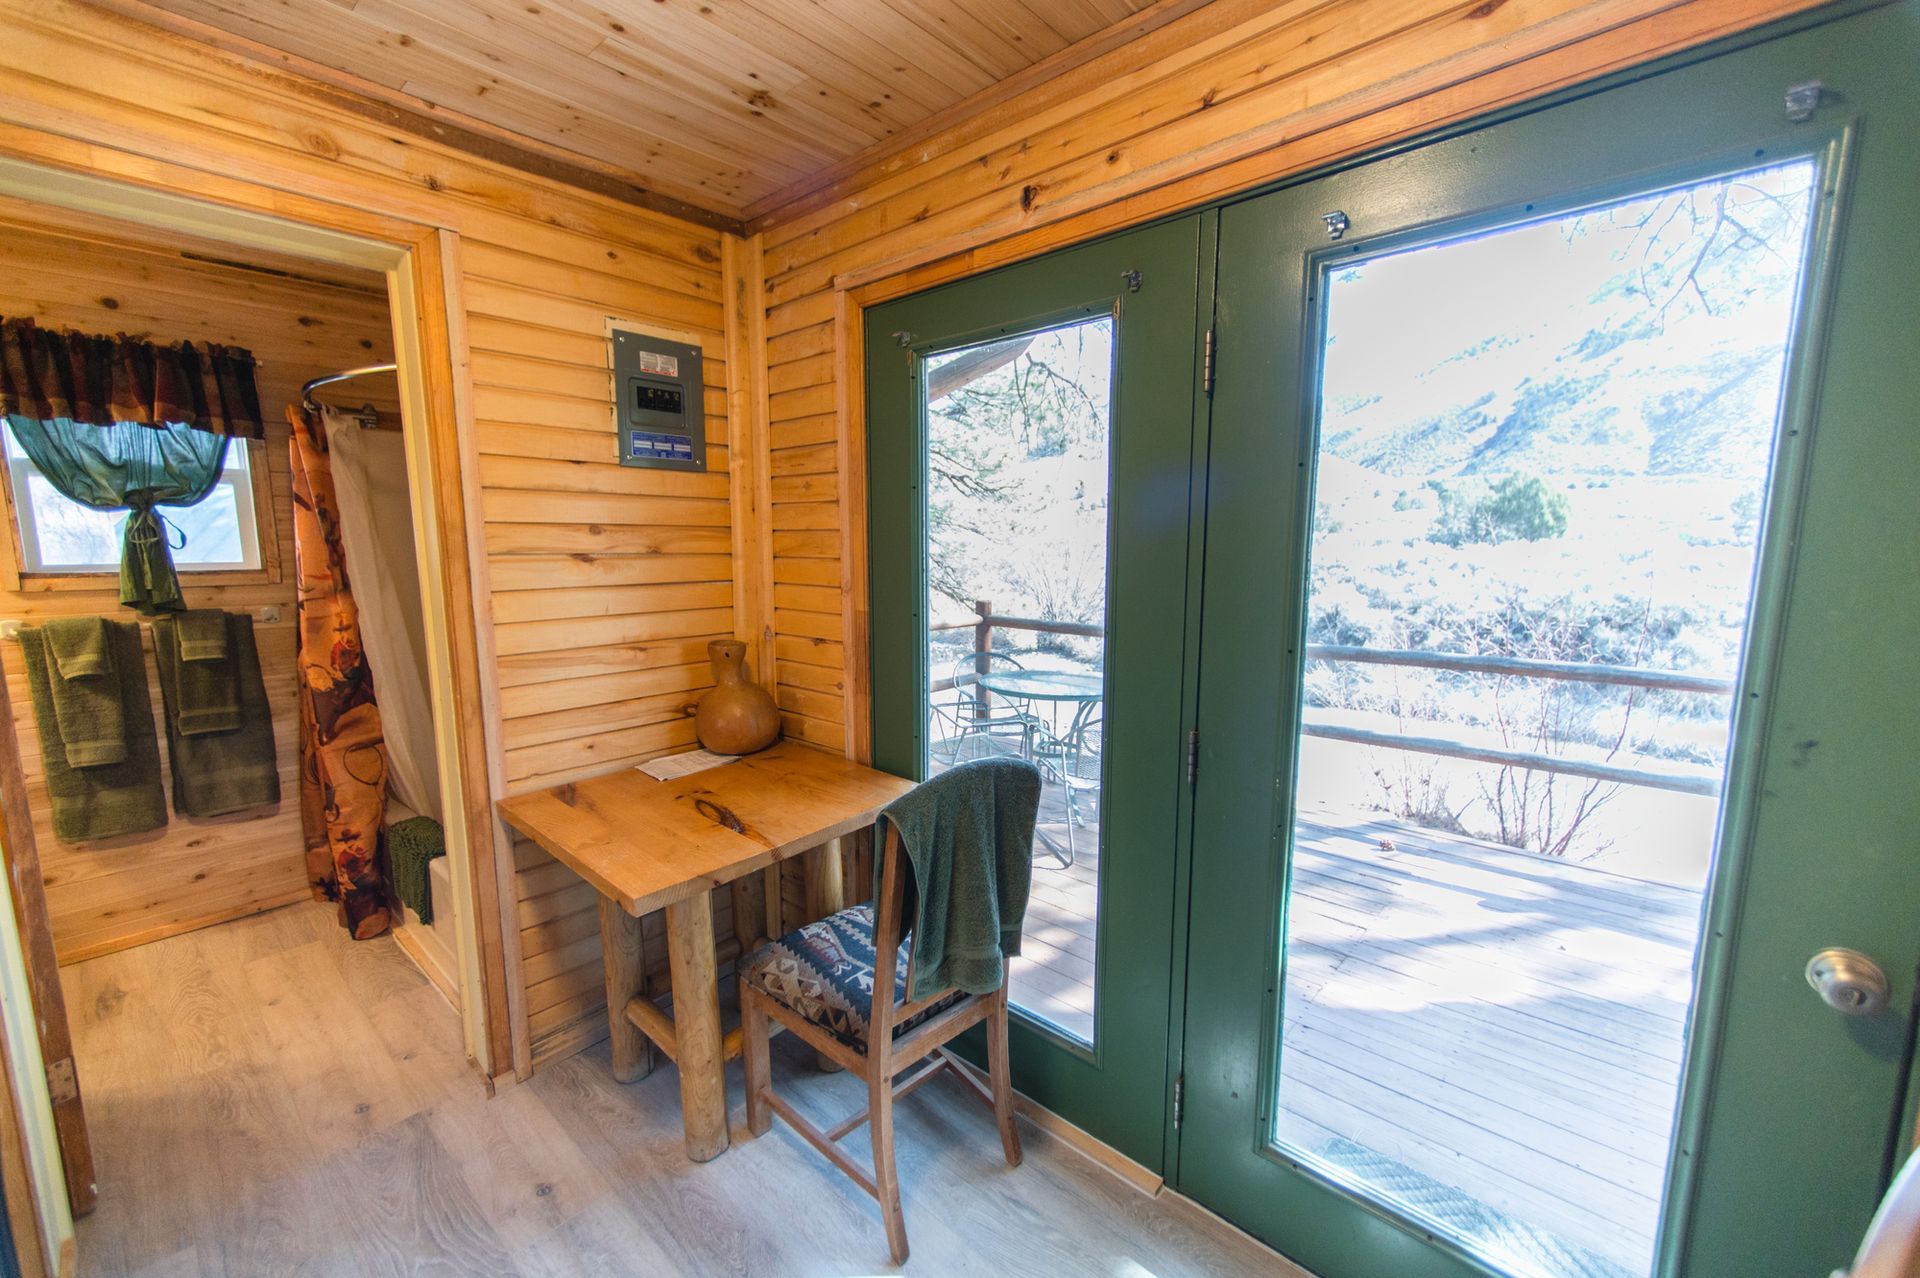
[(671, 767)]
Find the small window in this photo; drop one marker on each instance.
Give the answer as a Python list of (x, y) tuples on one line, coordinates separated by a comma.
[(60, 536)]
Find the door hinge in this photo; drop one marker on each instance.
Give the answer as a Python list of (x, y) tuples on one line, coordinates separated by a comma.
[(1803, 100), (61, 1084), (1206, 366), (1193, 756), (1179, 1100)]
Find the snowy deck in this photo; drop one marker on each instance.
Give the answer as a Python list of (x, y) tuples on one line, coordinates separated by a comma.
[(1492, 1035)]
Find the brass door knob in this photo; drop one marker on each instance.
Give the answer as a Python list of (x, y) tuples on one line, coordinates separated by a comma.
[(1851, 983)]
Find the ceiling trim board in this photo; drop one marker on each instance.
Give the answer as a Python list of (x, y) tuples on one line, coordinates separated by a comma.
[(420, 118), (828, 184)]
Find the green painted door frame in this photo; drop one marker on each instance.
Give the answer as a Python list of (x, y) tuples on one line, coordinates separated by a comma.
[(1778, 1164), (1788, 1111), (1119, 1089)]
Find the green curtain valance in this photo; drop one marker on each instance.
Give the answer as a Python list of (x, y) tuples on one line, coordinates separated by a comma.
[(100, 381), (119, 424)]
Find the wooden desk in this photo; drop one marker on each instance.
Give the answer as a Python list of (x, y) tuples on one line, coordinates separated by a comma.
[(649, 845)]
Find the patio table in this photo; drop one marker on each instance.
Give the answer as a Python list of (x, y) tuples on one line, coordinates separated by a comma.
[(1081, 688), (1047, 685)]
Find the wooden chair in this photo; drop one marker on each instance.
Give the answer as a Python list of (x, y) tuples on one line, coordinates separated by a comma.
[(1891, 1248), (880, 1044)]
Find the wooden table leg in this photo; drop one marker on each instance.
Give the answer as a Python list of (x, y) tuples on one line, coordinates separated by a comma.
[(826, 879), (626, 979), (696, 1024), (749, 917), (770, 891)]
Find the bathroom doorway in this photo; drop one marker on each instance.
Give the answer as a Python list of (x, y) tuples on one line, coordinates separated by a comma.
[(216, 913)]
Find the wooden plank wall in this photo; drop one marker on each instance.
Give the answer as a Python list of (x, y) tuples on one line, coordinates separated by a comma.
[(108, 895), (606, 583), (1238, 93)]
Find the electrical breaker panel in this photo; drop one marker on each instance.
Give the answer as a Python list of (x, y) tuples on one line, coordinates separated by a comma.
[(659, 409)]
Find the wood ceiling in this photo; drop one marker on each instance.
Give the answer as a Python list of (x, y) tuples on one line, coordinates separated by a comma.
[(728, 105)]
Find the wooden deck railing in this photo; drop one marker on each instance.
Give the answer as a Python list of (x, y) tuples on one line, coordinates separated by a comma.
[(987, 621), (1699, 782)]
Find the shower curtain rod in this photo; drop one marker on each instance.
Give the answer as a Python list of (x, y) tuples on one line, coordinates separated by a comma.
[(306, 392)]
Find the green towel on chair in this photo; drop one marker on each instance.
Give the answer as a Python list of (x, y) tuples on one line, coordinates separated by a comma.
[(99, 801), (206, 678), (412, 845), (968, 835), (86, 696), (215, 772)]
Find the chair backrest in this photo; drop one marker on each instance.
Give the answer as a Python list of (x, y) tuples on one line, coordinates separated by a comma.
[(1891, 1248), (968, 668), (889, 902), (888, 905)]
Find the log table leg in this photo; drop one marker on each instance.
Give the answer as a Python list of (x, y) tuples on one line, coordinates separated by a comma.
[(626, 978), (696, 1022), (749, 917), (772, 898), (826, 879)]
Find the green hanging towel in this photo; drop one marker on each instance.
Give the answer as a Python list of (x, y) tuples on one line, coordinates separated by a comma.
[(107, 799), (968, 837), (215, 773), (205, 672), (86, 696), (412, 845)]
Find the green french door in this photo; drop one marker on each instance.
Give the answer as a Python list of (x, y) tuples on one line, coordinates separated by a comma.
[(1030, 450), (1556, 707)]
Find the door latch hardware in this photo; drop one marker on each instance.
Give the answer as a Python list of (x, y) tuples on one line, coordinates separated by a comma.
[(1337, 223), (1132, 280), (1804, 99), (1851, 983), (1193, 756), (1179, 1100), (1206, 366)]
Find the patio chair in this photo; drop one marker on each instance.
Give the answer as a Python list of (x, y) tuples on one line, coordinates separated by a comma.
[(973, 714), (1073, 763)]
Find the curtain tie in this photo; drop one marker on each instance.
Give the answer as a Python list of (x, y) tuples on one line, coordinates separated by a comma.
[(146, 525), (148, 583)]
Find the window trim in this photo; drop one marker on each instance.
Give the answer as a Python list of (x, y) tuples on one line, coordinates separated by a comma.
[(15, 576)]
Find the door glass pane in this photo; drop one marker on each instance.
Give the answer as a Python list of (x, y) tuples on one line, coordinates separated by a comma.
[(1017, 479), (1542, 468)]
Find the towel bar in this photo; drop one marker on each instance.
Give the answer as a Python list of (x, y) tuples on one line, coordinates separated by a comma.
[(268, 614)]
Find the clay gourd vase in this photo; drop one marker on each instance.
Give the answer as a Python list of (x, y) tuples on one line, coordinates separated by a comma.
[(738, 716)]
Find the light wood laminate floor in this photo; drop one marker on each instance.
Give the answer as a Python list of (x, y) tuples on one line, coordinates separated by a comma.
[(269, 1098)]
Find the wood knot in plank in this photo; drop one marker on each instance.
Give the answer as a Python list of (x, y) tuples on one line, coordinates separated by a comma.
[(719, 816)]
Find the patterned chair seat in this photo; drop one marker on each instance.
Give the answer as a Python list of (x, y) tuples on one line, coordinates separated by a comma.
[(825, 970)]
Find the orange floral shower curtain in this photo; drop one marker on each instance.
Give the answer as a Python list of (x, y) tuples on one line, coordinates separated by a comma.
[(343, 755)]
